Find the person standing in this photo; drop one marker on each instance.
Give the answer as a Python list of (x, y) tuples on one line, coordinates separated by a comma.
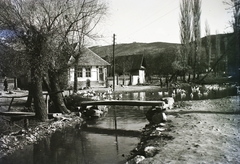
[(5, 84)]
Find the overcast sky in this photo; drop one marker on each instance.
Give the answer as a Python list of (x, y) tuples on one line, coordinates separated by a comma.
[(156, 20)]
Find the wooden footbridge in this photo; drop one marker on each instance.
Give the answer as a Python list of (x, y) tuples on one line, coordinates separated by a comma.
[(157, 104)]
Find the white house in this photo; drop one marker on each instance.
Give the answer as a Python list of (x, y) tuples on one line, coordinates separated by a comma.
[(90, 67), (134, 65)]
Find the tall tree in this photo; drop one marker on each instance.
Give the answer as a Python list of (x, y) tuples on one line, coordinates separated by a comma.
[(236, 28), (185, 32), (218, 52), (235, 9), (196, 33), (208, 45), (44, 28), (226, 57)]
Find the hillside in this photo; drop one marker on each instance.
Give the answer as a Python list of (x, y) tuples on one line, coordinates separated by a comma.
[(157, 47), (132, 48)]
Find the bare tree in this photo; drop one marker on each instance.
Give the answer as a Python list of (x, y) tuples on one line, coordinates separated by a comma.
[(44, 28)]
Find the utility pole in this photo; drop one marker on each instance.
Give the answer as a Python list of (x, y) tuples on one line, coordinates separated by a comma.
[(113, 62)]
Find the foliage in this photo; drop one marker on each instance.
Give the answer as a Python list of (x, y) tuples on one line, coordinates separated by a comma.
[(161, 64), (185, 30), (45, 29), (12, 62)]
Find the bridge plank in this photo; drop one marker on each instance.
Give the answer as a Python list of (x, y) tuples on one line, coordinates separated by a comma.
[(124, 103), (17, 114)]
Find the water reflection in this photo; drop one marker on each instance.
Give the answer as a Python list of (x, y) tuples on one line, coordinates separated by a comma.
[(100, 141)]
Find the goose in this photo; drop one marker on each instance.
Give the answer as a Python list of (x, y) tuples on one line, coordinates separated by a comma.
[(160, 93), (199, 94), (191, 96), (182, 95), (166, 93), (173, 95)]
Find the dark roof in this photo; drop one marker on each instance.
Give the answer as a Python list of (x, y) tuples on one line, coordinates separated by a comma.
[(89, 58), (129, 63)]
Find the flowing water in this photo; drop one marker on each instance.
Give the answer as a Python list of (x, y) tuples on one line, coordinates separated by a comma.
[(101, 141)]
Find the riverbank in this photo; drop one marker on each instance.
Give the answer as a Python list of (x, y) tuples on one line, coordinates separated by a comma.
[(203, 131), (206, 131)]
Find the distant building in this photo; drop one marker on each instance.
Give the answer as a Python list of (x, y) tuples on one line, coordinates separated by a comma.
[(90, 67), (132, 65)]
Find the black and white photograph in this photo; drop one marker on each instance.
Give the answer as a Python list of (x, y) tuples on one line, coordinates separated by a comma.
[(119, 81)]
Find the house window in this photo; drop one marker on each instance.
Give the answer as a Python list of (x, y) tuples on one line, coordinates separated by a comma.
[(88, 71), (79, 72)]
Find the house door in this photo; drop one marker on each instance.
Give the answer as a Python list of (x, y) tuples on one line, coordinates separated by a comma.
[(101, 74)]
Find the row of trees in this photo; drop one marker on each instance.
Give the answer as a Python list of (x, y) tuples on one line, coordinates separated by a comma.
[(196, 54), (190, 35), (236, 28), (45, 31), (168, 64)]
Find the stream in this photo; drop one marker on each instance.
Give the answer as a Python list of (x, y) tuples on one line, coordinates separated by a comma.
[(100, 141)]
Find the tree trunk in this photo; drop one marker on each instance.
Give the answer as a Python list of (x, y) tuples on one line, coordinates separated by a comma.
[(39, 103), (189, 77), (55, 92), (30, 97), (15, 83), (184, 76), (161, 83), (75, 82), (167, 81)]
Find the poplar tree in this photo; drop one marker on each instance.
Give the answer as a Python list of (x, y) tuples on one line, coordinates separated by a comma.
[(185, 33), (208, 45), (196, 33)]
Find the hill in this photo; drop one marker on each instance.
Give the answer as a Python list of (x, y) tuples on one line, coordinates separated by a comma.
[(157, 47), (132, 49)]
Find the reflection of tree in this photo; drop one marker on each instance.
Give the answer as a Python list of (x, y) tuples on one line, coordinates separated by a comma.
[(41, 151), (67, 146)]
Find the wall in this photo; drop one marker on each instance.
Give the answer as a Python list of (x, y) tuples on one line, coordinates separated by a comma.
[(94, 79)]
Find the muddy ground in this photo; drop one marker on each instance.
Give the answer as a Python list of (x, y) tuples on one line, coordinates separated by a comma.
[(206, 131)]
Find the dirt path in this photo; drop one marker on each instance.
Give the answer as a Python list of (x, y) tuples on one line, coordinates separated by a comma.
[(205, 131)]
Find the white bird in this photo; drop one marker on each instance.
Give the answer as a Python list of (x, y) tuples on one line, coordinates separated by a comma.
[(182, 95), (173, 95), (110, 91), (166, 93), (191, 95), (205, 94), (199, 94), (160, 93), (120, 96)]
